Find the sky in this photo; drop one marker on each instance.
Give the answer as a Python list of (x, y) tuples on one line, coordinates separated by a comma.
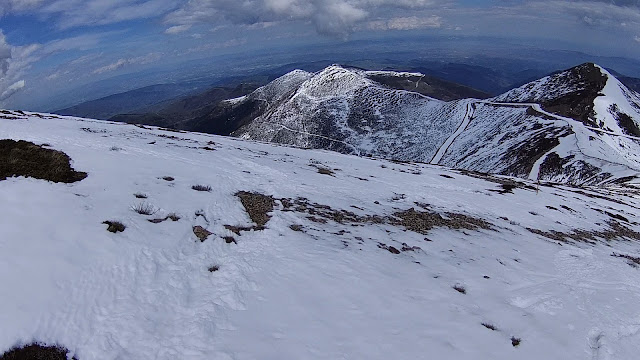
[(50, 46)]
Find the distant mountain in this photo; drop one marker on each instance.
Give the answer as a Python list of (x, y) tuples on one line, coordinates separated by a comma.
[(578, 126), (129, 101), (173, 112)]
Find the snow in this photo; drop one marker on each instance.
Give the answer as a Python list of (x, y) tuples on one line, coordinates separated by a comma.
[(341, 109), (615, 94), (235, 101), (282, 294)]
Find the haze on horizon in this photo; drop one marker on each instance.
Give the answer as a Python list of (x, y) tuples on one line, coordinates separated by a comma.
[(50, 47)]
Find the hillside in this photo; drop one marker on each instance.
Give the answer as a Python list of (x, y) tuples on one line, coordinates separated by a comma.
[(579, 126), (288, 253)]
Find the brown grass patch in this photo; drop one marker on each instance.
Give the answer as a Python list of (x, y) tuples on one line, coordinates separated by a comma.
[(258, 206), (23, 158), (201, 233), (36, 352), (115, 226)]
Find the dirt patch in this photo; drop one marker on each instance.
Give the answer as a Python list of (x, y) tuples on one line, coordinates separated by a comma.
[(506, 183), (172, 217), (238, 229), (201, 233), (615, 231), (322, 213), (229, 240), (115, 226), (36, 352), (423, 221), (23, 158), (258, 206), (325, 171)]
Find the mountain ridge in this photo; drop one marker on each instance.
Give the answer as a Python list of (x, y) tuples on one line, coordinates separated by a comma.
[(342, 109)]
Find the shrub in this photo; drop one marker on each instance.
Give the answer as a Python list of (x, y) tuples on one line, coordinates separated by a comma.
[(490, 326), (325, 171), (140, 195), (173, 217), (460, 289), (144, 208), (115, 226), (201, 188), (214, 268), (167, 178)]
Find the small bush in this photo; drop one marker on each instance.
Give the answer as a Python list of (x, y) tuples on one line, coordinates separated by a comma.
[(201, 188), (490, 326), (515, 341), (115, 226), (144, 208), (325, 171), (460, 289), (36, 352), (115, 148), (167, 178), (140, 195), (229, 240), (173, 217), (214, 268)]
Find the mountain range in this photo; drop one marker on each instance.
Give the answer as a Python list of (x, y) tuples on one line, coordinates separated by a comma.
[(578, 126)]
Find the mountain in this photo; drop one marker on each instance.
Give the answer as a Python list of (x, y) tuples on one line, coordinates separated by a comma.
[(173, 112), (260, 251), (129, 101), (579, 126), (200, 112)]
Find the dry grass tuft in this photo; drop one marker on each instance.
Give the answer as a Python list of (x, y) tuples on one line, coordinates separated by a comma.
[(206, 188)]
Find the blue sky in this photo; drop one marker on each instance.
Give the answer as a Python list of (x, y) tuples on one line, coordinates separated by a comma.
[(51, 46)]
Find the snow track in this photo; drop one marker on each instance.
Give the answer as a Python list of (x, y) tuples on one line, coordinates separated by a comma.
[(463, 125)]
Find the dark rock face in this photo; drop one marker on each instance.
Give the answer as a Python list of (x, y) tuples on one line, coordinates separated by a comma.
[(568, 93), (589, 81)]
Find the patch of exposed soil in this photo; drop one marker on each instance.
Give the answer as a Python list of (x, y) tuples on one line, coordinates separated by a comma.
[(201, 233), (423, 221), (613, 232), (258, 206)]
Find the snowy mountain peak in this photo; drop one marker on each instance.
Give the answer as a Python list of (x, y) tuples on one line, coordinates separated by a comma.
[(587, 93)]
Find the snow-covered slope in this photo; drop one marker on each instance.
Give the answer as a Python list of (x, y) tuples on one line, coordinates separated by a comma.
[(359, 259), (579, 126)]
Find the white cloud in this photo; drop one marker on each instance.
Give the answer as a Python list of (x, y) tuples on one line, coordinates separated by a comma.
[(334, 17), (177, 29), (637, 39), (12, 89), (120, 63), (71, 13), (406, 23)]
